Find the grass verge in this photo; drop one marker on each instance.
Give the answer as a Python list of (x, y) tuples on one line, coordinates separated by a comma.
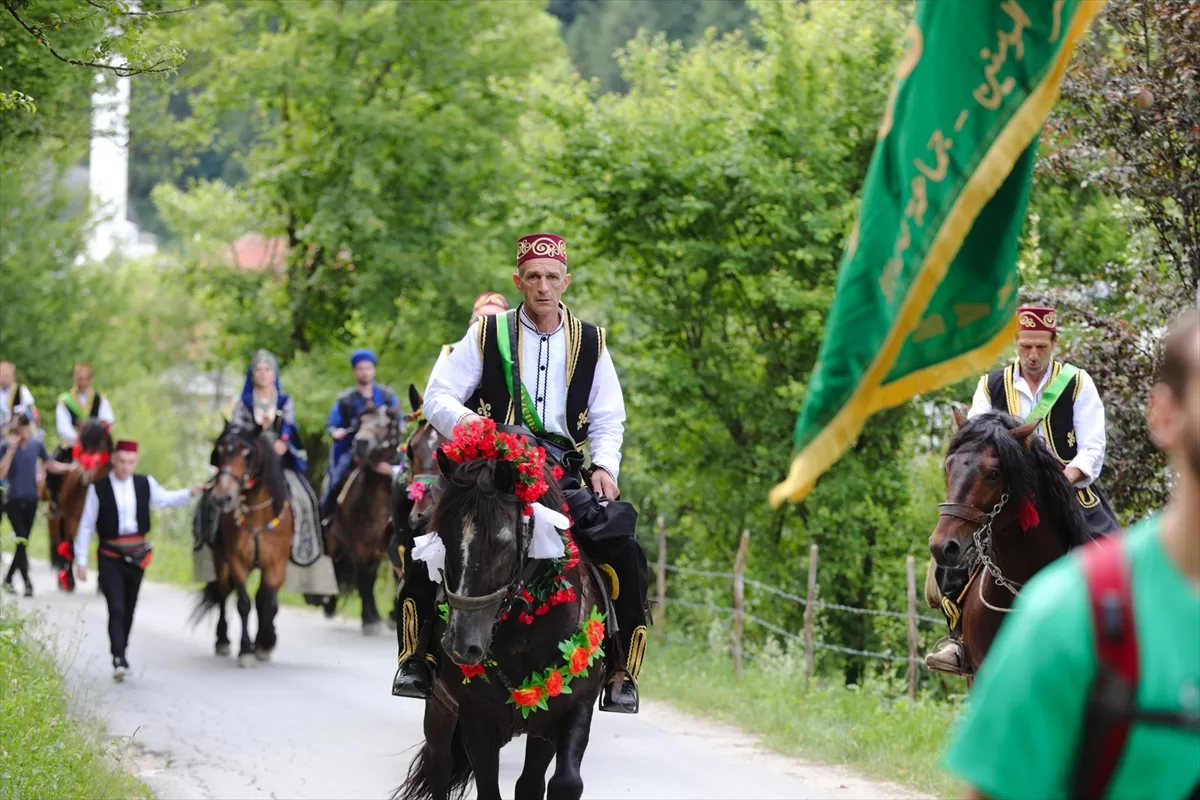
[(44, 750), (877, 731)]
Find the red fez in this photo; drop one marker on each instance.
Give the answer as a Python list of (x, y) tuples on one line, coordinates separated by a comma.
[(541, 245), (126, 446), (1033, 318)]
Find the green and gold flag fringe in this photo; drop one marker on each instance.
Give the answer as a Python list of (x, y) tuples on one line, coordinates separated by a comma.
[(926, 291)]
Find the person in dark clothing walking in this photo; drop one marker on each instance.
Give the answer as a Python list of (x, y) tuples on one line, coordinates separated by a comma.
[(117, 510), (19, 457)]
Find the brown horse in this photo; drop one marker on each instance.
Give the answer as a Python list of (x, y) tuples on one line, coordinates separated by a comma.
[(422, 447), (255, 532), (92, 455), (1009, 512), (358, 532)]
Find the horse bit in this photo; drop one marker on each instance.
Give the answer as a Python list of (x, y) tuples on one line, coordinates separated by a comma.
[(982, 536)]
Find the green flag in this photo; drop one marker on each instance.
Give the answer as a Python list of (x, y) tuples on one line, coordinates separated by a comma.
[(926, 292)]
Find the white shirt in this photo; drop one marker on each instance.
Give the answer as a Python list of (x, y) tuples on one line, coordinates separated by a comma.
[(23, 402), (62, 417), (443, 357), (1090, 437), (126, 509), (455, 379)]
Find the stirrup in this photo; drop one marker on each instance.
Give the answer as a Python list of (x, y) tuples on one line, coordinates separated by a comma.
[(953, 644)]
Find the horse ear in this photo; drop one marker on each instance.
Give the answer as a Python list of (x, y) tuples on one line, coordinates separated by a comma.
[(446, 465), (959, 418), (1024, 434), (414, 398), (506, 476)]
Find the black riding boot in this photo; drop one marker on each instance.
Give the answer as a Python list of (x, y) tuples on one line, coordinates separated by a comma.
[(948, 655), (415, 599), (627, 648)]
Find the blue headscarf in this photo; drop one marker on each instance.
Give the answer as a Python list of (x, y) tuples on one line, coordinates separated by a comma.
[(248, 386), (363, 354)]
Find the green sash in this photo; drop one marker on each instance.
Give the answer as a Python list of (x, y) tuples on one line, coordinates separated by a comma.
[(1053, 392), (72, 404), (529, 414)]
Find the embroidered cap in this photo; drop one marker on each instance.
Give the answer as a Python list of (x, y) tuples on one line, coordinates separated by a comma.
[(1034, 318), (127, 446), (541, 245)]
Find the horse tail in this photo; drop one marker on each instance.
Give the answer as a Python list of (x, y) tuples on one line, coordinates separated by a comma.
[(416, 784), (209, 598)]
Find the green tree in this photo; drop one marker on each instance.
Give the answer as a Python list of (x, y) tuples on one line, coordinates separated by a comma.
[(708, 207)]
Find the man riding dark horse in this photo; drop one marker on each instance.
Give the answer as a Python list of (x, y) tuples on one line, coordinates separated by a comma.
[(343, 423), (1063, 399), (546, 370), (81, 403)]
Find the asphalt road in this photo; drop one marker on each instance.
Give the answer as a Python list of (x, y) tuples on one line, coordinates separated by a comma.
[(318, 720)]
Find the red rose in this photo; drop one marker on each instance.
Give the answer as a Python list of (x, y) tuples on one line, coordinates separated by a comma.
[(526, 618), (526, 596), (594, 642), (557, 472), (554, 683), (469, 671), (542, 609), (579, 660), (527, 697), (595, 626)]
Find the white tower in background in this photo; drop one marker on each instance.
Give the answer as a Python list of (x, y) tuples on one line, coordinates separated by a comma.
[(108, 175)]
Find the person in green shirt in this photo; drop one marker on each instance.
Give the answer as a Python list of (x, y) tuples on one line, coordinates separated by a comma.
[(1021, 731)]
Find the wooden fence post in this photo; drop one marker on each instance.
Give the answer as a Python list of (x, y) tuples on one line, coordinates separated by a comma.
[(660, 608), (910, 567), (809, 610), (739, 597)]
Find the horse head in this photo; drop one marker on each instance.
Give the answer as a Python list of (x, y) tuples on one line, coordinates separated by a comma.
[(421, 449), (479, 519), (1001, 481), (93, 450), (378, 436), (239, 456)]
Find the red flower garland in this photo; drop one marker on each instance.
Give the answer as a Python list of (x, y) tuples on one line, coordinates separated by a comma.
[(579, 654), (480, 439)]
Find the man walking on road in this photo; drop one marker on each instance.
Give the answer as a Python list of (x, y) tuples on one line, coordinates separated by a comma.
[(117, 509), (1092, 688)]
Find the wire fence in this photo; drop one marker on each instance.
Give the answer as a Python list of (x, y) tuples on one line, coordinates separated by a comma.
[(812, 605)]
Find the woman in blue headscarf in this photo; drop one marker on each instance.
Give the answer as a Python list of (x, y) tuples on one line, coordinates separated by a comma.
[(264, 405)]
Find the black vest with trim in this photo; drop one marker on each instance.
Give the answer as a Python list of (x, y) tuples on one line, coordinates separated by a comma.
[(108, 519), (493, 398), (93, 414), (1058, 428), (14, 398)]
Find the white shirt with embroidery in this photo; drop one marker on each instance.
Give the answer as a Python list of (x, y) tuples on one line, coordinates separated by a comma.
[(1090, 438), (544, 380), (24, 402), (126, 509), (62, 417)]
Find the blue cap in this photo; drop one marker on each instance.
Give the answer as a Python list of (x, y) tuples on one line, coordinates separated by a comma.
[(363, 354)]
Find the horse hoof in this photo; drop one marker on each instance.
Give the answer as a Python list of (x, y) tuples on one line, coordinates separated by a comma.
[(330, 610), (222, 648), (262, 655), (247, 660), (372, 628)]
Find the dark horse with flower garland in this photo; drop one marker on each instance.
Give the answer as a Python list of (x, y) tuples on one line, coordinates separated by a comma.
[(519, 643), (93, 453)]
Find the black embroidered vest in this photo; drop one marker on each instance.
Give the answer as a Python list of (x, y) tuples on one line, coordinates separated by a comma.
[(1058, 428), (108, 520), (493, 398), (93, 414)]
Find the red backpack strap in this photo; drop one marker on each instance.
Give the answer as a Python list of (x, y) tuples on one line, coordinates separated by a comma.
[(1111, 702)]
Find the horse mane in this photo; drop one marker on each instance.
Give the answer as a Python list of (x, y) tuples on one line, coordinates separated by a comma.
[(1032, 471), (472, 489), (93, 437)]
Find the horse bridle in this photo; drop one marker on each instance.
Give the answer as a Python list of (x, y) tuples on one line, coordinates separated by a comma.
[(982, 536), (525, 569)]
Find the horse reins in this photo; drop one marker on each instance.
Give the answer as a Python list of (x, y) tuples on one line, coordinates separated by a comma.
[(982, 536), (241, 509)]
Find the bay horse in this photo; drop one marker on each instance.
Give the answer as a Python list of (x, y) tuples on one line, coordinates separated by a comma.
[(483, 653), (1009, 512), (93, 454), (358, 531), (254, 532), (421, 450)]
